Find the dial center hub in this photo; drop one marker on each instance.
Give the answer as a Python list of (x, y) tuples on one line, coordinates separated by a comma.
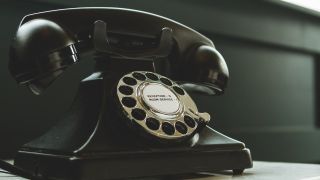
[(160, 98)]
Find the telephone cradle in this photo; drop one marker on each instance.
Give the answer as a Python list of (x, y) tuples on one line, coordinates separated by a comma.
[(128, 118)]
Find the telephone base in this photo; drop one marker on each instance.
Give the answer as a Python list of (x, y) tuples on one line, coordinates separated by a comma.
[(87, 145), (222, 154)]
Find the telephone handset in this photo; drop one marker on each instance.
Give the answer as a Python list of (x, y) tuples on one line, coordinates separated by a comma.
[(46, 43), (135, 108)]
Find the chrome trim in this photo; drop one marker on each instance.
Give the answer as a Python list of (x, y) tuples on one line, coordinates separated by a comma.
[(186, 107)]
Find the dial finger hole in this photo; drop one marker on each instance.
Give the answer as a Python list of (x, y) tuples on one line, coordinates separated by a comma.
[(130, 81), (129, 102), (152, 123), (126, 90), (139, 76), (189, 121), (138, 114), (181, 127), (166, 81), (168, 128), (152, 76), (178, 90)]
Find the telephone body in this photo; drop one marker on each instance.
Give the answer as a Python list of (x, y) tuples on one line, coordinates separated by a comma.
[(133, 116)]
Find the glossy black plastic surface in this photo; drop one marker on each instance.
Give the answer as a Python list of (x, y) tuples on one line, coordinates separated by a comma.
[(91, 144), (119, 32)]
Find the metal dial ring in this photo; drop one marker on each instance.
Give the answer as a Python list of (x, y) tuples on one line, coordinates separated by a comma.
[(158, 105)]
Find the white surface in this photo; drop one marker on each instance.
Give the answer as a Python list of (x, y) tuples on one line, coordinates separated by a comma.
[(269, 171), (310, 4), (160, 98)]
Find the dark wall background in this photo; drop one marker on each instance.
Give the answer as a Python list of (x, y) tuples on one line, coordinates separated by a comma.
[(271, 103)]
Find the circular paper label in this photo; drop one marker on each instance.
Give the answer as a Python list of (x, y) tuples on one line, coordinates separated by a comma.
[(160, 98)]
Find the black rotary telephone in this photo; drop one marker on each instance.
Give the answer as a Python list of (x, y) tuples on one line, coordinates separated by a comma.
[(133, 116)]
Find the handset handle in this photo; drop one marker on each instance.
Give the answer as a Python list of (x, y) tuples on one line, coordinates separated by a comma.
[(101, 43)]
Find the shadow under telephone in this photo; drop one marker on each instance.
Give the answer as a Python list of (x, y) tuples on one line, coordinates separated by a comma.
[(129, 118)]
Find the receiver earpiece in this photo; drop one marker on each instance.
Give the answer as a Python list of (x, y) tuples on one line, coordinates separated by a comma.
[(207, 70), (40, 52)]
